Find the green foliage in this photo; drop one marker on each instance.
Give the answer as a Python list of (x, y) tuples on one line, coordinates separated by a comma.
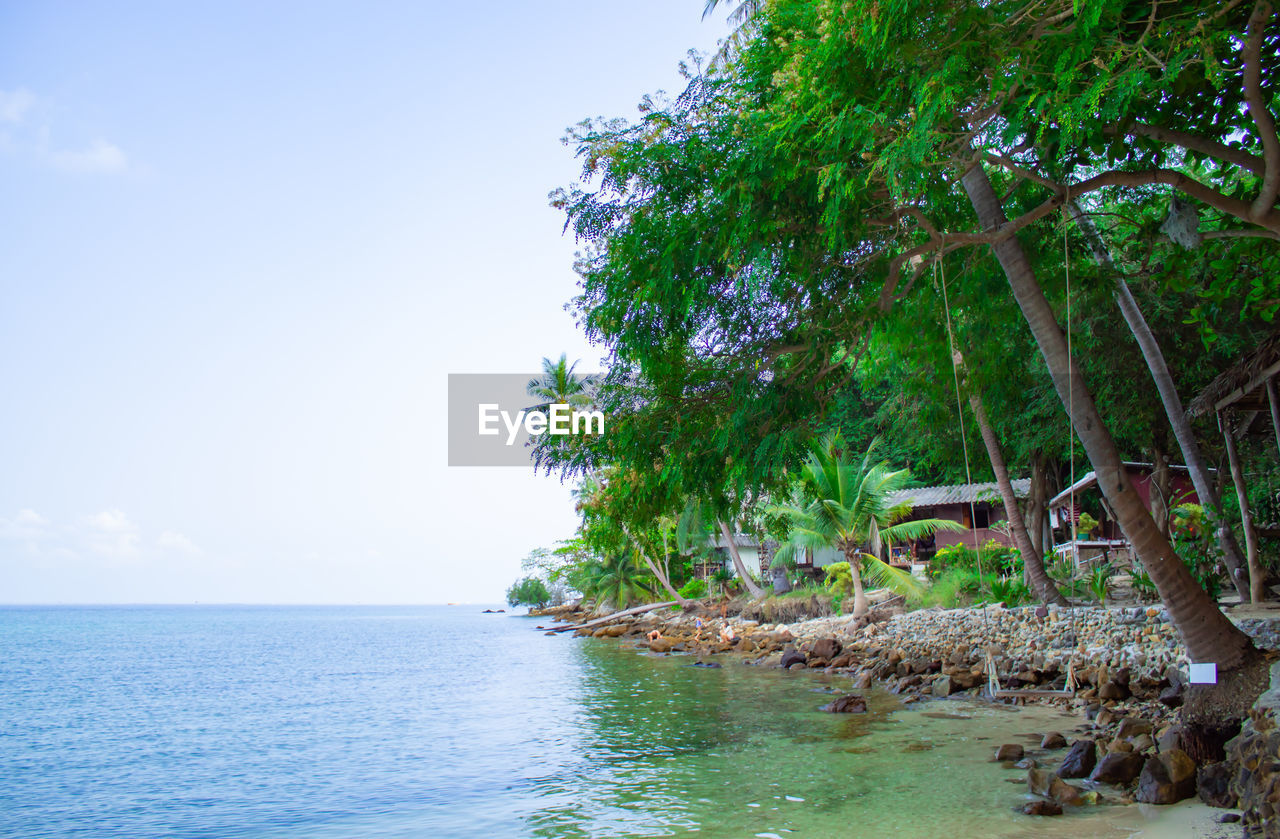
[(1011, 591), (617, 580), (1099, 582), (1143, 586), (1086, 525), (529, 591), (953, 588), (694, 589)]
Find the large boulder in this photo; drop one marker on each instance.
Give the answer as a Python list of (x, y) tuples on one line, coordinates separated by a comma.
[(827, 648), (1079, 760), (942, 687), (1213, 785), (1117, 768), (1167, 779), (1132, 727), (792, 656)]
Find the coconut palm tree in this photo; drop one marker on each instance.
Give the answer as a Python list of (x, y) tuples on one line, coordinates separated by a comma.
[(616, 581), (848, 506), (559, 385)]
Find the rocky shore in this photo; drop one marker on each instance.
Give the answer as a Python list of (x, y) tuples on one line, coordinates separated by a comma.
[(1127, 668)]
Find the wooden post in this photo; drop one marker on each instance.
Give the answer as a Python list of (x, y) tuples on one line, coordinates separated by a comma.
[(1257, 591)]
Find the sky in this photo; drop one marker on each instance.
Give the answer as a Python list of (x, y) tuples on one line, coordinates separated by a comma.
[(245, 244)]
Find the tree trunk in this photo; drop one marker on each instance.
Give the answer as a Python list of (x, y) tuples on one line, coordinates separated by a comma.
[(1182, 432), (1038, 506), (1274, 401), (755, 590), (859, 595), (1208, 635), (1162, 485), (1257, 577), (657, 572), (1031, 559)]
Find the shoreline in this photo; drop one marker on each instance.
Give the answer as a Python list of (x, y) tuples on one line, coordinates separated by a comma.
[(1129, 747)]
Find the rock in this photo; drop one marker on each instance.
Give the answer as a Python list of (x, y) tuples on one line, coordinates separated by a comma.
[(1009, 751), (1156, 784), (615, 631), (1213, 785), (797, 665), (1053, 740), (827, 648), (1041, 808), (1132, 727), (1143, 743), (942, 687), (1113, 692), (1173, 696), (1038, 781), (1064, 793), (851, 704), (791, 656), (1169, 738), (661, 645), (1079, 760), (1119, 745), (863, 681), (1026, 763), (1228, 818), (1118, 768)]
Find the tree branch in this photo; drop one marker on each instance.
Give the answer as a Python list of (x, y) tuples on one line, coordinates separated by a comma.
[(1263, 204), (1192, 142)]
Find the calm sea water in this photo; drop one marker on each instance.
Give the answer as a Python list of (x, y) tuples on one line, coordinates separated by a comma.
[(443, 722)]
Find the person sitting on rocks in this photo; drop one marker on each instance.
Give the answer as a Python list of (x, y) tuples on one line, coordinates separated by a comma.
[(727, 634), (654, 635)]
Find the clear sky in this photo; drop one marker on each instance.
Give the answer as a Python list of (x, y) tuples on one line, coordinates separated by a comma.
[(244, 245)]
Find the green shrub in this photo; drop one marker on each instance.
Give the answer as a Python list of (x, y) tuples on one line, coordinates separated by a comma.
[(1011, 591), (694, 589), (953, 588), (1099, 581)]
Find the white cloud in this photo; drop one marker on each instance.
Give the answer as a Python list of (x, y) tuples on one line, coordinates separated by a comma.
[(175, 541), (111, 533), (15, 104), (99, 157), (27, 526)]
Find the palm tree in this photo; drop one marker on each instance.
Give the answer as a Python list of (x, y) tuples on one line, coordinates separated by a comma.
[(558, 385), (849, 506), (617, 580)]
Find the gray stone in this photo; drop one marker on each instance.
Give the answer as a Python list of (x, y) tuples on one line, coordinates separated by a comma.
[(1009, 751), (1079, 760), (1117, 768), (1053, 740)]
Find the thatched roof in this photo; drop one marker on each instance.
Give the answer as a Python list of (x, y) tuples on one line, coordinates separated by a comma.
[(1242, 386)]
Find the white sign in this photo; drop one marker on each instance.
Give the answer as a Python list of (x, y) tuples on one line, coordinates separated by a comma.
[(1204, 674)]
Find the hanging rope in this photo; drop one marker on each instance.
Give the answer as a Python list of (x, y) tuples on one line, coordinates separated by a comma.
[(939, 267)]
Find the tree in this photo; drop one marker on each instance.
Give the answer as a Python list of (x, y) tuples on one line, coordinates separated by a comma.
[(617, 580), (847, 506), (530, 592)]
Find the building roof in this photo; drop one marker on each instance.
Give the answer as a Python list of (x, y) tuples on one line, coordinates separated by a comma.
[(1241, 386), (938, 496), (741, 540), (1091, 478)]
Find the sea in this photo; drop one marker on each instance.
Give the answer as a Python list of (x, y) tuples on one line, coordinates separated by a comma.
[(443, 721)]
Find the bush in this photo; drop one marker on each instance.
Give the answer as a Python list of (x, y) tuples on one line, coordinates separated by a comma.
[(1011, 591), (530, 592), (954, 588), (997, 558), (694, 589)]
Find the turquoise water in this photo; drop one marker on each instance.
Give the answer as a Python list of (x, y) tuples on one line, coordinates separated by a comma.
[(443, 722)]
